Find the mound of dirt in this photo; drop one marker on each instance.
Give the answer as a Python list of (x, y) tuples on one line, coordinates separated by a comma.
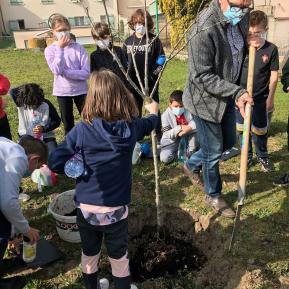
[(160, 255)]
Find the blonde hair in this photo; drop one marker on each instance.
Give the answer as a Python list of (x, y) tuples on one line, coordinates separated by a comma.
[(108, 98), (58, 18)]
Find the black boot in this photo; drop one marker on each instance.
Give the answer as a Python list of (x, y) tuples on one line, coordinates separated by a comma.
[(122, 283), (91, 280), (10, 265)]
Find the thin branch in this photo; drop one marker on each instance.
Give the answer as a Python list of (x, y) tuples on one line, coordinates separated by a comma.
[(173, 55), (137, 72), (168, 23), (108, 21), (153, 134), (159, 206), (114, 55), (140, 92), (146, 51), (199, 8), (158, 79), (199, 31)]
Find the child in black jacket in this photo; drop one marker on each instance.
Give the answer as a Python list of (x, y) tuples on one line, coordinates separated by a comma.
[(136, 43), (101, 58)]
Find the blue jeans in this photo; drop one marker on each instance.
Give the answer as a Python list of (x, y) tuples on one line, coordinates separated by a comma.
[(214, 139)]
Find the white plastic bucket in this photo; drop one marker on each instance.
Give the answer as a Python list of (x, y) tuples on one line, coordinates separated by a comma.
[(66, 225)]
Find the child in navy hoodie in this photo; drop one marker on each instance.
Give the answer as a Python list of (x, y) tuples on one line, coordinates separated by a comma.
[(105, 138)]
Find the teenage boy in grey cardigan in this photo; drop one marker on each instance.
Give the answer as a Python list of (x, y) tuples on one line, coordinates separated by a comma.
[(177, 123)]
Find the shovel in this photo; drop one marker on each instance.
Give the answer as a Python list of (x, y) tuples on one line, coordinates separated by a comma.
[(245, 146)]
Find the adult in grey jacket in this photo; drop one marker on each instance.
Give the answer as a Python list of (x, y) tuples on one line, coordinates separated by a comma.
[(216, 53)]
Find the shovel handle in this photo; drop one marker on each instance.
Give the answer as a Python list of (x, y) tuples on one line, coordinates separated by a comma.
[(246, 129)]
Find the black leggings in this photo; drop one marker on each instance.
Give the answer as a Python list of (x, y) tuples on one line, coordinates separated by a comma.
[(116, 241), (66, 109)]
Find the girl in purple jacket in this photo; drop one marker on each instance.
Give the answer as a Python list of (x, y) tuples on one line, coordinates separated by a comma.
[(68, 61)]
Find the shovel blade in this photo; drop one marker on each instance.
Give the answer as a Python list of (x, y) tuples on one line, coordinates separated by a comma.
[(235, 226)]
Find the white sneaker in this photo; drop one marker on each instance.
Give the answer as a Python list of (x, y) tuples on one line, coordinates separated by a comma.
[(103, 283), (132, 286)]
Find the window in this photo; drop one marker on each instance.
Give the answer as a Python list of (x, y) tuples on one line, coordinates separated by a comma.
[(16, 25), (43, 24), (103, 18), (45, 2), (16, 2), (79, 21)]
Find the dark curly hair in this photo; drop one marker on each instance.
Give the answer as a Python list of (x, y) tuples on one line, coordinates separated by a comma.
[(28, 95)]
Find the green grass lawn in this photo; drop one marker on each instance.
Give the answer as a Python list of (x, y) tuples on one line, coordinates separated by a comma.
[(261, 253)]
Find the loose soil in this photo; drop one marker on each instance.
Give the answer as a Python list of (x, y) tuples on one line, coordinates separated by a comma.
[(160, 255)]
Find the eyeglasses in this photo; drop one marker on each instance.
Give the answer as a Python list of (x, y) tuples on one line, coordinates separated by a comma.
[(257, 34), (244, 8)]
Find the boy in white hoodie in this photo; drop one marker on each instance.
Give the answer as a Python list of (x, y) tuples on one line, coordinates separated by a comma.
[(177, 123), (16, 162)]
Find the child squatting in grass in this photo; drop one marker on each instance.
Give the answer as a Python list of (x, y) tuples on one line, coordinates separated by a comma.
[(177, 124)]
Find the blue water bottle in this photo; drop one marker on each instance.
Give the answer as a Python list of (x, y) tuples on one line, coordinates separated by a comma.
[(74, 167)]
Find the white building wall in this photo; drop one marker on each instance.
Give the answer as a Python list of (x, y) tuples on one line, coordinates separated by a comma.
[(33, 12), (278, 17)]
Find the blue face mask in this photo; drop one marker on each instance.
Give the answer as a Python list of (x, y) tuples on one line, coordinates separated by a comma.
[(178, 111), (235, 14)]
